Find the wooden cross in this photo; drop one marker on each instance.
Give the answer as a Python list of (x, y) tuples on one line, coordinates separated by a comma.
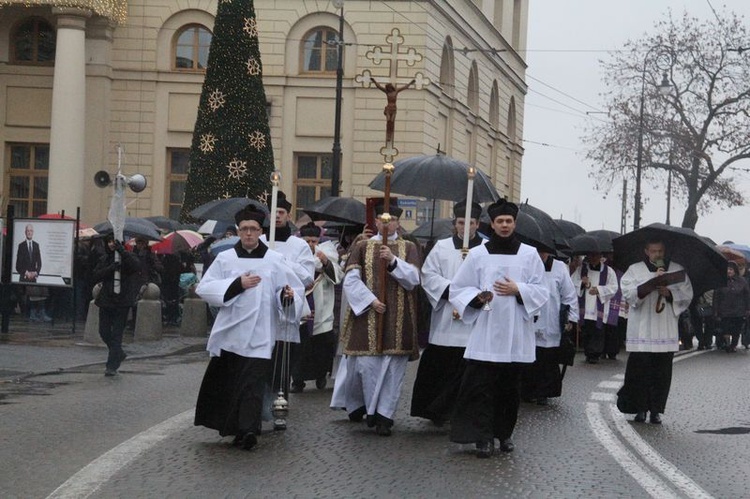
[(393, 84)]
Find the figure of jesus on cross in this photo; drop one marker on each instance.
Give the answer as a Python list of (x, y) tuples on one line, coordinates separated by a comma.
[(391, 93)]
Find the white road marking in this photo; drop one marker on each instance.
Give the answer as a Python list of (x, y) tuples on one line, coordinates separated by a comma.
[(603, 396), (615, 385), (655, 460), (96, 473), (651, 483)]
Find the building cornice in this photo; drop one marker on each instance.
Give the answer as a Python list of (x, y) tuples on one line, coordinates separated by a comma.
[(114, 10)]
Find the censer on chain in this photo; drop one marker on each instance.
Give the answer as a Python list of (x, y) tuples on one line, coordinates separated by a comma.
[(280, 411)]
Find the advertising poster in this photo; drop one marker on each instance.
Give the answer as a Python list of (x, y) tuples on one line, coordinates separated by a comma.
[(43, 252)]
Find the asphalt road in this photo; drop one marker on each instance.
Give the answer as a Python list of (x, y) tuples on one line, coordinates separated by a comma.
[(76, 433)]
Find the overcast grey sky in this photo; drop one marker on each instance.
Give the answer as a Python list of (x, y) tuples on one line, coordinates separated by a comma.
[(565, 42)]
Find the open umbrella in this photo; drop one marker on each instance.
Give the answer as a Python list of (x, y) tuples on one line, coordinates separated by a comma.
[(436, 176), (742, 248), (216, 228), (605, 238), (530, 232), (705, 265), (546, 223), (134, 227), (223, 245), (225, 209), (179, 240), (337, 209), (168, 224), (569, 229), (440, 228)]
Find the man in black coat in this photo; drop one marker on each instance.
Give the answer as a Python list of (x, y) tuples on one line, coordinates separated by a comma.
[(28, 257), (113, 306)]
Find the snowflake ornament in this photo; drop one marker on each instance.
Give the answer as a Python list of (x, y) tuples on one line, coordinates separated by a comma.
[(208, 143), (253, 67), (251, 27), (237, 169), (257, 140), (216, 100), (264, 196)]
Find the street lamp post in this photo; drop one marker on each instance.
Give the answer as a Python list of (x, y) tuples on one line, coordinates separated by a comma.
[(664, 88), (336, 162)]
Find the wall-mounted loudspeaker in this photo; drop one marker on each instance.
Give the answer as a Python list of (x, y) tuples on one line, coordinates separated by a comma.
[(102, 179), (137, 182)]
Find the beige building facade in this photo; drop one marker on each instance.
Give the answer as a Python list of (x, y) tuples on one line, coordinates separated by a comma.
[(77, 84)]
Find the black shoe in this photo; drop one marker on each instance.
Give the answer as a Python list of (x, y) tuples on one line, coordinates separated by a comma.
[(357, 415), (592, 360), (249, 440), (485, 449), (383, 430), (110, 372), (507, 445), (640, 417), (321, 383), (542, 401), (297, 388), (655, 418)]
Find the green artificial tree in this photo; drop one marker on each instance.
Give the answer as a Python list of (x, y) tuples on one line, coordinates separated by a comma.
[(231, 154)]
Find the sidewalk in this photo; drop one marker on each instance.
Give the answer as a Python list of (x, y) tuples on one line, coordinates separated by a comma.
[(33, 348)]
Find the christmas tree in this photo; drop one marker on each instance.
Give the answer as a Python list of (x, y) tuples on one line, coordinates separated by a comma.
[(231, 154)]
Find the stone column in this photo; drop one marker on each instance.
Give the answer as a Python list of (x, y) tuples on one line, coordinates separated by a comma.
[(68, 123)]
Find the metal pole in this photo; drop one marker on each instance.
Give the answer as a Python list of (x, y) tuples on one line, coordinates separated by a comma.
[(669, 194), (336, 163), (639, 159)]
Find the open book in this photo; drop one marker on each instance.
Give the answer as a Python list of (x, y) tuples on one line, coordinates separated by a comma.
[(661, 280)]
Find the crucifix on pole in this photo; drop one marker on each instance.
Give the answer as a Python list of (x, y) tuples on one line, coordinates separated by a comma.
[(393, 84)]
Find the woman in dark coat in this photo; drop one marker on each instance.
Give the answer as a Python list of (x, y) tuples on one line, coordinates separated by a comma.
[(732, 307), (113, 307)]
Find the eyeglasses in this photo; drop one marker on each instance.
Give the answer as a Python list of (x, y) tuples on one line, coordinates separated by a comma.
[(248, 229)]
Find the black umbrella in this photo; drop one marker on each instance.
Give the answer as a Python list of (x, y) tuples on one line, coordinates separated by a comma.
[(568, 228), (134, 227), (436, 176), (337, 209), (225, 209), (530, 232), (705, 265), (546, 223), (583, 244), (440, 228), (168, 224), (605, 238)]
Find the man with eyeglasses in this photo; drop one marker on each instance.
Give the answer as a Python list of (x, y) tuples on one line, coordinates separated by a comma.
[(253, 286)]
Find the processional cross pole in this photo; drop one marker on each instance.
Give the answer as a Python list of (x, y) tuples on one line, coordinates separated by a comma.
[(391, 86)]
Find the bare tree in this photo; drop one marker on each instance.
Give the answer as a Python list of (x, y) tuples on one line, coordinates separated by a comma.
[(699, 131)]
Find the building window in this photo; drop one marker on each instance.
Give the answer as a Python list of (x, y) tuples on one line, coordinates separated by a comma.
[(33, 42), (178, 164), (313, 178), (191, 48), (320, 51), (27, 179)]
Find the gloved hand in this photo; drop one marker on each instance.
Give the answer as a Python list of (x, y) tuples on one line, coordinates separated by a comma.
[(119, 247)]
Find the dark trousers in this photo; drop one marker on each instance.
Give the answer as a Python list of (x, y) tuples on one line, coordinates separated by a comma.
[(487, 403), (593, 339), (543, 378), (611, 340), (648, 378), (111, 327), (732, 326)]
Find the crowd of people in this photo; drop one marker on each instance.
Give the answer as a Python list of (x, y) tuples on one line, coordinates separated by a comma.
[(494, 322)]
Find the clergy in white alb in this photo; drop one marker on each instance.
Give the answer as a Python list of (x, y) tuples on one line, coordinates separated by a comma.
[(543, 379), (256, 292), (596, 284), (441, 363), (499, 289), (652, 331)]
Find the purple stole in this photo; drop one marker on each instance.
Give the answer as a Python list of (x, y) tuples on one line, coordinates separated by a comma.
[(614, 303), (599, 303)]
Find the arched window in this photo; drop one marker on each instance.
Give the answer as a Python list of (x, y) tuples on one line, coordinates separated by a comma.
[(495, 106), (446, 68), (320, 50), (191, 48), (33, 42), (472, 96)]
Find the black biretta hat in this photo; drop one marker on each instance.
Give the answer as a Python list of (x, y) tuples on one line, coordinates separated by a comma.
[(502, 207)]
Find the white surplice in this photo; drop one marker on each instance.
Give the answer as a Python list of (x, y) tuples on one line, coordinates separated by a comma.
[(323, 293), (649, 331), (506, 332), (437, 272), (606, 292), (249, 323), (561, 292)]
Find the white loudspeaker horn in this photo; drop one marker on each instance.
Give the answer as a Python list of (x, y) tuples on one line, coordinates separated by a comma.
[(137, 182), (102, 179)]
